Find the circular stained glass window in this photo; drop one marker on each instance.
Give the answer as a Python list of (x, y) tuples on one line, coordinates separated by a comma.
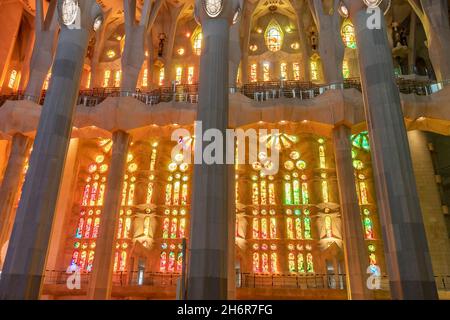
[(69, 11), (213, 7)]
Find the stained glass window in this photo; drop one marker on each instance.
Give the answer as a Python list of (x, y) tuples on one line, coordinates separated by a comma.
[(12, 79), (117, 78), (291, 262), (296, 69), (361, 141), (87, 228), (266, 71), (191, 75), (300, 263), (348, 34), (253, 72), (178, 74), (274, 36), (314, 65), (283, 71), (309, 263), (197, 42), (368, 228), (161, 76), (145, 78), (256, 262), (106, 78)]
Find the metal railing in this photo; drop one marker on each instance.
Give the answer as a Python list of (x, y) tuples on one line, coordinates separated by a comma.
[(258, 91), (243, 280)]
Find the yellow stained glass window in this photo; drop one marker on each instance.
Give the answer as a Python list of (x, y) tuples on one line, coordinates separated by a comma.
[(348, 34), (274, 36)]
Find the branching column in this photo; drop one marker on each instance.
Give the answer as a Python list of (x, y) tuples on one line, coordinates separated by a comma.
[(354, 247), (331, 48), (407, 256), (208, 261), (100, 283), (43, 50), (10, 185), (134, 51), (25, 260)]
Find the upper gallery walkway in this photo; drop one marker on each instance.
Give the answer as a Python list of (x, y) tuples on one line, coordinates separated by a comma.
[(258, 91)]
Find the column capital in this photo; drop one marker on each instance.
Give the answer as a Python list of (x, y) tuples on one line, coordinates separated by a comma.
[(79, 14), (217, 9)]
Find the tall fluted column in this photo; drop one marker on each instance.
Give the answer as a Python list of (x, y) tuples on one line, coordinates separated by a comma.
[(25, 260), (100, 283), (10, 186), (235, 54), (208, 262), (355, 251), (406, 250)]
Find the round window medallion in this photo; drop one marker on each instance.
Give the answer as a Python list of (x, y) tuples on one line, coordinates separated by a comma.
[(68, 11), (213, 7)]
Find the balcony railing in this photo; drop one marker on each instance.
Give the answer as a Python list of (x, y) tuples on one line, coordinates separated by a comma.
[(258, 91), (243, 280)]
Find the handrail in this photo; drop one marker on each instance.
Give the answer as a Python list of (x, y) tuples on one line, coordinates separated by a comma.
[(243, 280), (258, 91)]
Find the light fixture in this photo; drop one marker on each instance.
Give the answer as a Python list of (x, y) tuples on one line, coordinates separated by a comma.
[(110, 54), (342, 9), (288, 29), (253, 47), (180, 51), (188, 34), (119, 37), (259, 30), (295, 45)]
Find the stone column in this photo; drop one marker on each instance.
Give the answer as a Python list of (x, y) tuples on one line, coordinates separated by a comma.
[(331, 48), (434, 18), (25, 260), (46, 27), (10, 186), (134, 51), (169, 44), (235, 54), (208, 262), (100, 283), (355, 251), (431, 203), (406, 250), (300, 9), (231, 295)]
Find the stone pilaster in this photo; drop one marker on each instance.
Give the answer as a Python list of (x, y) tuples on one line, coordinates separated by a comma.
[(10, 187), (430, 202), (100, 282), (406, 250), (209, 245), (354, 247), (24, 266)]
